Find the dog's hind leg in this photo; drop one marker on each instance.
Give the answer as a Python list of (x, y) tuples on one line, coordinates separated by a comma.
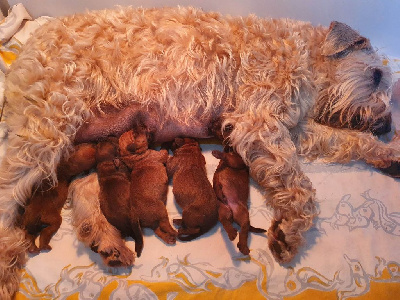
[(226, 218), (137, 234), (266, 147), (47, 233), (241, 217), (166, 232)]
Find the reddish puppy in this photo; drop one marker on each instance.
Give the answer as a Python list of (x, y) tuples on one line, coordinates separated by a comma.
[(192, 190), (149, 182), (231, 185), (115, 197), (42, 215)]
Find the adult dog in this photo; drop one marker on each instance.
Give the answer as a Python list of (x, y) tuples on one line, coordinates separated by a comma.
[(286, 89)]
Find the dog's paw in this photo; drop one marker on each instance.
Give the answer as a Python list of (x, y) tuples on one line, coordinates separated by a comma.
[(45, 247), (283, 241), (243, 248), (33, 249), (167, 237), (393, 170), (113, 257), (171, 239), (232, 232), (177, 222)]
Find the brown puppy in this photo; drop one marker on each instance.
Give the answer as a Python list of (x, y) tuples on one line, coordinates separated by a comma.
[(42, 215), (231, 186), (192, 189), (115, 194), (149, 182)]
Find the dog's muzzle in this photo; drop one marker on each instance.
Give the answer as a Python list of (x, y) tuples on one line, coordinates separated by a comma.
[(382, 125)]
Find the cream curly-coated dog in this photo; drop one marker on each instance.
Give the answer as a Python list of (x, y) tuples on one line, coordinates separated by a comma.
[(285, 88)]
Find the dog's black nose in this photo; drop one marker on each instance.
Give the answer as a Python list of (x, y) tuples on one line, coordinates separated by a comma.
[(383, 126), (377, 76)]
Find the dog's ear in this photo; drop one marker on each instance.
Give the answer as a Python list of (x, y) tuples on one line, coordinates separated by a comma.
[(217, 154), (342, 39)]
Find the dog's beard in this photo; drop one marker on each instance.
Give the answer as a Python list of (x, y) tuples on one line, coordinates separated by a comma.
[(359, 100)]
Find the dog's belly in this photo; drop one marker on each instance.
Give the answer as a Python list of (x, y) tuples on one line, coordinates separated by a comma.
[(117, 122), (174, 128)]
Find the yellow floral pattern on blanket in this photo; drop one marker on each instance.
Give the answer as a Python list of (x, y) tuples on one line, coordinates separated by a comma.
[(9, 51)]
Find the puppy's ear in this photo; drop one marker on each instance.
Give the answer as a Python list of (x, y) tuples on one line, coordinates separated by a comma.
[(179, 142), (342, 39), (217, 154)]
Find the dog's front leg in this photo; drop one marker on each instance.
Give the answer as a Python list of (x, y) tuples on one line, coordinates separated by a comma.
[(266, 146), (343, 145)]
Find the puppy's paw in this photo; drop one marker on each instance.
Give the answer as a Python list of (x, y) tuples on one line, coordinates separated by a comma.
[(243, 248), (177, 222), (33, 249), (393, 170), (45, 247), (167, 237), (283, 240), (232, 233)]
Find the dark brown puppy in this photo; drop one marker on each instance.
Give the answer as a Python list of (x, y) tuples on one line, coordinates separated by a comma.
[(231, 186), (149, 182), (115, 192), (192, 189), (42, 215)]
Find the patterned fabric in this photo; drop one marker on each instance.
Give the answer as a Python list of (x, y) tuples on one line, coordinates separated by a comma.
[(352, 251)]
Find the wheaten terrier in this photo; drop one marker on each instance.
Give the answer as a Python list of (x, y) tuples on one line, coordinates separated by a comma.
[(286, 88)]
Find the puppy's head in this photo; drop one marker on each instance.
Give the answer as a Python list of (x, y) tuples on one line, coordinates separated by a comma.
[(106, 151), (133, 142), (184, 142), (355, 85), (231, 159)]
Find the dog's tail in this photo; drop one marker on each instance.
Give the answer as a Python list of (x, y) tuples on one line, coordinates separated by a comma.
[(189, 234), (256, 229), (13, 257)]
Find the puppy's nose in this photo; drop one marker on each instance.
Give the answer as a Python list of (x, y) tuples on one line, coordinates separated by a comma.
[(131, 148), (377, 76)]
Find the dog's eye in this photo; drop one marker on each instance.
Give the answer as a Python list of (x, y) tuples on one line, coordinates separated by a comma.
[(341, 54)]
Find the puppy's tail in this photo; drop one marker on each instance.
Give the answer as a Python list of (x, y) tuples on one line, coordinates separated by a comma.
[(256, 229), (13, 257), (189, 234)]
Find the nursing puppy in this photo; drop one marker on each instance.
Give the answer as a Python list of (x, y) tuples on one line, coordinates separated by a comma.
[(231, 186), (149, 182), (115, 192), (288, 88), (42, 215), (192, 190)]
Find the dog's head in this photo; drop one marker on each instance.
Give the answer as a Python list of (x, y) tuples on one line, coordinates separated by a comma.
[(184, 142), (230, 158), (354, 84), (106, 150), (133, 142)]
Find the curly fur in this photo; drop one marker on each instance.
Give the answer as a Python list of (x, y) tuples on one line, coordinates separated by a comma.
[(284, 87), (92, 228)]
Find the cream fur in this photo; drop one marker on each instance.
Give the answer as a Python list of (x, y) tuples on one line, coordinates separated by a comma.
[(92, 227), (186, 68)]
